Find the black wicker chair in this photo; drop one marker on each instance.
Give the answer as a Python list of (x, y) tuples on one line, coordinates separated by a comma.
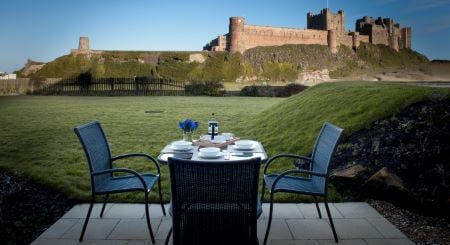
[(315, 182), (214, 202), (103, 182)]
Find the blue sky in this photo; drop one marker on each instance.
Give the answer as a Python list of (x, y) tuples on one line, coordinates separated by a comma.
[(44, 29)]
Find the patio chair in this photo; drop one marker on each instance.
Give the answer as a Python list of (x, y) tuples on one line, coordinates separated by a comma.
[(214, 202), (314, 181), (103, 181)]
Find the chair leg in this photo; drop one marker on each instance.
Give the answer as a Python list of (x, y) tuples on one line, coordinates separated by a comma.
[(160, 196), (270, 219), (147, 215), (317, 206), (104, 205), (87, 218), (263, 189), (331, 221), (168, 236)]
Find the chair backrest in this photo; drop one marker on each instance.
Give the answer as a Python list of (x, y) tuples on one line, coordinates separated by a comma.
[(97, 151), (214, 202), (323, 151)]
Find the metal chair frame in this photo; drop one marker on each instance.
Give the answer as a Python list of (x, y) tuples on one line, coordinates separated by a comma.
[(146, 188), (307, 175)]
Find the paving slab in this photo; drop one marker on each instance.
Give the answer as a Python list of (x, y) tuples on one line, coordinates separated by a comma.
[(279, 229), (97, 229), (292, 242), (357, 210), (343, 242), (283, 211), (80, 211), (133, 229), (389, 242), (156, 211), (163, 229), (309, 210), (126, 211), (49, 241), (310, 229), (58, 229), (356, 223), (385, 227), (355, 228)]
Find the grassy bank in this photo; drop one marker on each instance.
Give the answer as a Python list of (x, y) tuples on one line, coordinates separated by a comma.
[(259, 64), (292, 125), (37, 136)]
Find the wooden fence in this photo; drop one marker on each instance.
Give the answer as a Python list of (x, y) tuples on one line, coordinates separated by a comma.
[(82, 86), (15, 86)]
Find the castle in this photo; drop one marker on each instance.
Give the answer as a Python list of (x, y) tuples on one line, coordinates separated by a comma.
[(83, 48), (325, 28)]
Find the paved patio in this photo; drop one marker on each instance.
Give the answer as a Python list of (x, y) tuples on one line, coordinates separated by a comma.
[(356, 223)]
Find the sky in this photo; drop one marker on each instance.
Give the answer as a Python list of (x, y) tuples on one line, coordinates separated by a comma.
[(43, 30)]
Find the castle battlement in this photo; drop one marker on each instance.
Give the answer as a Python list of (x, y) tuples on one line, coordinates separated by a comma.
[(324, 28)]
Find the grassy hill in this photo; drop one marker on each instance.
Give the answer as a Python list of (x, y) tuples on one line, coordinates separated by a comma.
[(293, 124), (278, 63)]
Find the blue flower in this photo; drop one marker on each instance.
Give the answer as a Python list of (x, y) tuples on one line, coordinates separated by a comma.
[(188, 125)]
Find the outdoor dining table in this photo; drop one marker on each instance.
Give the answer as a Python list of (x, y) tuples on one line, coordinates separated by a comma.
[(229, 153)]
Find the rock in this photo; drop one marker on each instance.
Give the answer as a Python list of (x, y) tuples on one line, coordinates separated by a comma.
[(197, 57), (350, 178), (311, 78), (354, 172), (386, 185)]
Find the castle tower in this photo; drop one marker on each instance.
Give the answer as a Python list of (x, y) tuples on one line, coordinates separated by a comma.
[(406, 37), (332, 41), (393, 42), (326, 20), (355, 40), (236, 31), (83, 45), (338, 21)]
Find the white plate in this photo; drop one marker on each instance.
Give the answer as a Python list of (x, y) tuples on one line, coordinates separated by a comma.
[(219, 154), (175, 148), (243, 149), (181, 145)]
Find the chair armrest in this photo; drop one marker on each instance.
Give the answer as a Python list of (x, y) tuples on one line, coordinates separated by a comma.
[(122, 170), (285, 155), (295, 171), (138, 155)]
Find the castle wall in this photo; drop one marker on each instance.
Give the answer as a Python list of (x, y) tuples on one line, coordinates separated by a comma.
[(343, 38), (274, 36), (364, 38), (379, 35), (377, 31)]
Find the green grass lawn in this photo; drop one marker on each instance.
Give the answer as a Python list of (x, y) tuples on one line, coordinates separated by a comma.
[(37, 137)]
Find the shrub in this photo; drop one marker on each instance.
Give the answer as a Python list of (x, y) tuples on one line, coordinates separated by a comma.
[(209, 88), (272, 91), (279, 71)]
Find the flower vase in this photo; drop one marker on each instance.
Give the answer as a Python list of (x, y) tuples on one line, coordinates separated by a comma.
[(187, 136)]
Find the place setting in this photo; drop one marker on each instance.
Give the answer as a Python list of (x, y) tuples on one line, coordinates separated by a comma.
[(210, 146), (179, 149)]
